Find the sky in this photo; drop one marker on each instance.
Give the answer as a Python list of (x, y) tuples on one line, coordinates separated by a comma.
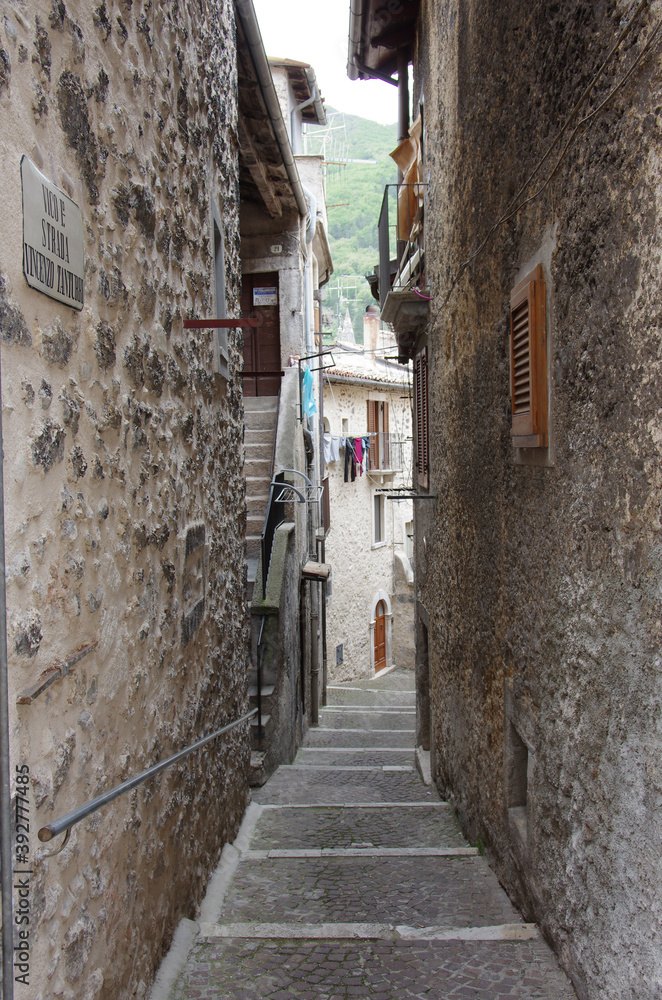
[(316, 32)]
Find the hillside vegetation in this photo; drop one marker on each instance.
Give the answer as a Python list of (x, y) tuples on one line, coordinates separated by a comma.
[(354, 197)]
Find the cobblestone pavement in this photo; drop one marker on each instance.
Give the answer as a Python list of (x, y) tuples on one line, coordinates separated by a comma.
[(352, 879)]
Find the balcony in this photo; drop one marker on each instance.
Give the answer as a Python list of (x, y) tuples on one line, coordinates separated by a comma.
[(388, 455), (403, 292)]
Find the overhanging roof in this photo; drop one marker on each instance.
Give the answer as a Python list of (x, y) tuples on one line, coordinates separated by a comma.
[(377, 29), (304, 84), (268, 171)]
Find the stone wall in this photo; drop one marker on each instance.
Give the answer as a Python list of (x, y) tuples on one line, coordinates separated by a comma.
[(539, 576), (123, 473), (360, 569)]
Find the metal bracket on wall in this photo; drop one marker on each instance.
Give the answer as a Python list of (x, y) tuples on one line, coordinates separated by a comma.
[(405, 493)]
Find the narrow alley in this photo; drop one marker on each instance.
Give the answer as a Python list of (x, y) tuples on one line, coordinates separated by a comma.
[(351, 878)]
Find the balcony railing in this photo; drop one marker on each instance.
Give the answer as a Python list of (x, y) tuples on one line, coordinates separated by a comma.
[(388, 452), (401, 242)]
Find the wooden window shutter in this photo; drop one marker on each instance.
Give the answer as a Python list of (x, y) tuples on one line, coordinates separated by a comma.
[(528, 362), (421, 412), (386, 454), (373, 427)]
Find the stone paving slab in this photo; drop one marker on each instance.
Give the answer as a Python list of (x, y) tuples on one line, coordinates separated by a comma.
[(394, 680), (351, 718), (355, 737), (454, 892), (301, 828), (325, 970), (308, 785), (355, 758)]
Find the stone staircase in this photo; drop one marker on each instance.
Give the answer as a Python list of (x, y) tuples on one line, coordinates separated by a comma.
[(260, 416), (350, 878)]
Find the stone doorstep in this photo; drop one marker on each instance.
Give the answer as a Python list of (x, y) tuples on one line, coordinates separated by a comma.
[(365, 932)]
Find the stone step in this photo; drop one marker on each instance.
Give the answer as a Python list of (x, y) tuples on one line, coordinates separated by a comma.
[(352, 737), (257, 450), (455, 891), (356, 757), (367, 719), (373, 960), (261, 436), (431, 825), (257, 468), (267, 690), (252, 403), (336, 697), (292, 784)]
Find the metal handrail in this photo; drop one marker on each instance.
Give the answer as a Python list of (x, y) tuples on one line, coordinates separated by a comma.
[(76, 815)]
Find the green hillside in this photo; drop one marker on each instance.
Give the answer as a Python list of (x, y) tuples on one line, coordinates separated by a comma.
[(354, 196)]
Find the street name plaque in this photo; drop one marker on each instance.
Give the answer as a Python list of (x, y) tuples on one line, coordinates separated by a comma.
[(53, 255)]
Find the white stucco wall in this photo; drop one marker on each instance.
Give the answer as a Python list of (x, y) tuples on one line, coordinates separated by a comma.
[(361, 570)]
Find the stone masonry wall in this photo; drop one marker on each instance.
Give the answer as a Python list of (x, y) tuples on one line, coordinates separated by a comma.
[(541, 575), (124, 498)]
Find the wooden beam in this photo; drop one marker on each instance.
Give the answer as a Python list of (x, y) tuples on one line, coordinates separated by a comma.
[(258, 172)]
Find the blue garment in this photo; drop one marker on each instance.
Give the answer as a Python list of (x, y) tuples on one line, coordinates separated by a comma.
[(308, 399)]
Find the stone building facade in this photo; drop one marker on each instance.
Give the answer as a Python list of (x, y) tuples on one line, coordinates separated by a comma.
[(123, 476), (369, 542), (538, 564)]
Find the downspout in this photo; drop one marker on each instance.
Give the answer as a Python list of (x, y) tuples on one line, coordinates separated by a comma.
[(5, 775), (251, 30), (355, 19), (308, 301)]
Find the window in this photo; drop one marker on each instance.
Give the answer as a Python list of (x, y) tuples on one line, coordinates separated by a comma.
[(421, 418), (379, 533), (528, 362), (378, 431), (222, 359)]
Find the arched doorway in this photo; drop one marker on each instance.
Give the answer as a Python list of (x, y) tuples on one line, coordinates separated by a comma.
[(380, 636)]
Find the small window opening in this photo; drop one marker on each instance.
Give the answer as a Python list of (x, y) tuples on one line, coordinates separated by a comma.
[(378, 521)]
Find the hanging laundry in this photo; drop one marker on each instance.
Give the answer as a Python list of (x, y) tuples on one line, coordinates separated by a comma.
[(308, 399), (358, 452), (350, 467), (335, 449), (328, 448)]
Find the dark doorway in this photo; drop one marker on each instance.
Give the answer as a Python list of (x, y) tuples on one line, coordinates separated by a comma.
[(260, 299)]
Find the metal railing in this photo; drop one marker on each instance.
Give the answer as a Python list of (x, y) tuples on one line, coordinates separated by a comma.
[(387, 452), (400, 233), (272, 519), (66, 822)]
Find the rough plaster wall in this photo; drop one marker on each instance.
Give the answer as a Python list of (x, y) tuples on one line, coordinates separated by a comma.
[(359, 570), (118, 439), (544, 582)]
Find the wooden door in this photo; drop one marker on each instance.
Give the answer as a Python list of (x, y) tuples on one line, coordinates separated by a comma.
[(261, 343), (380, 637)]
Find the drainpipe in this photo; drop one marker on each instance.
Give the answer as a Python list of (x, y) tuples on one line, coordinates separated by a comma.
[(5, 776), (310, 235), (315, 654), (251, 30)]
